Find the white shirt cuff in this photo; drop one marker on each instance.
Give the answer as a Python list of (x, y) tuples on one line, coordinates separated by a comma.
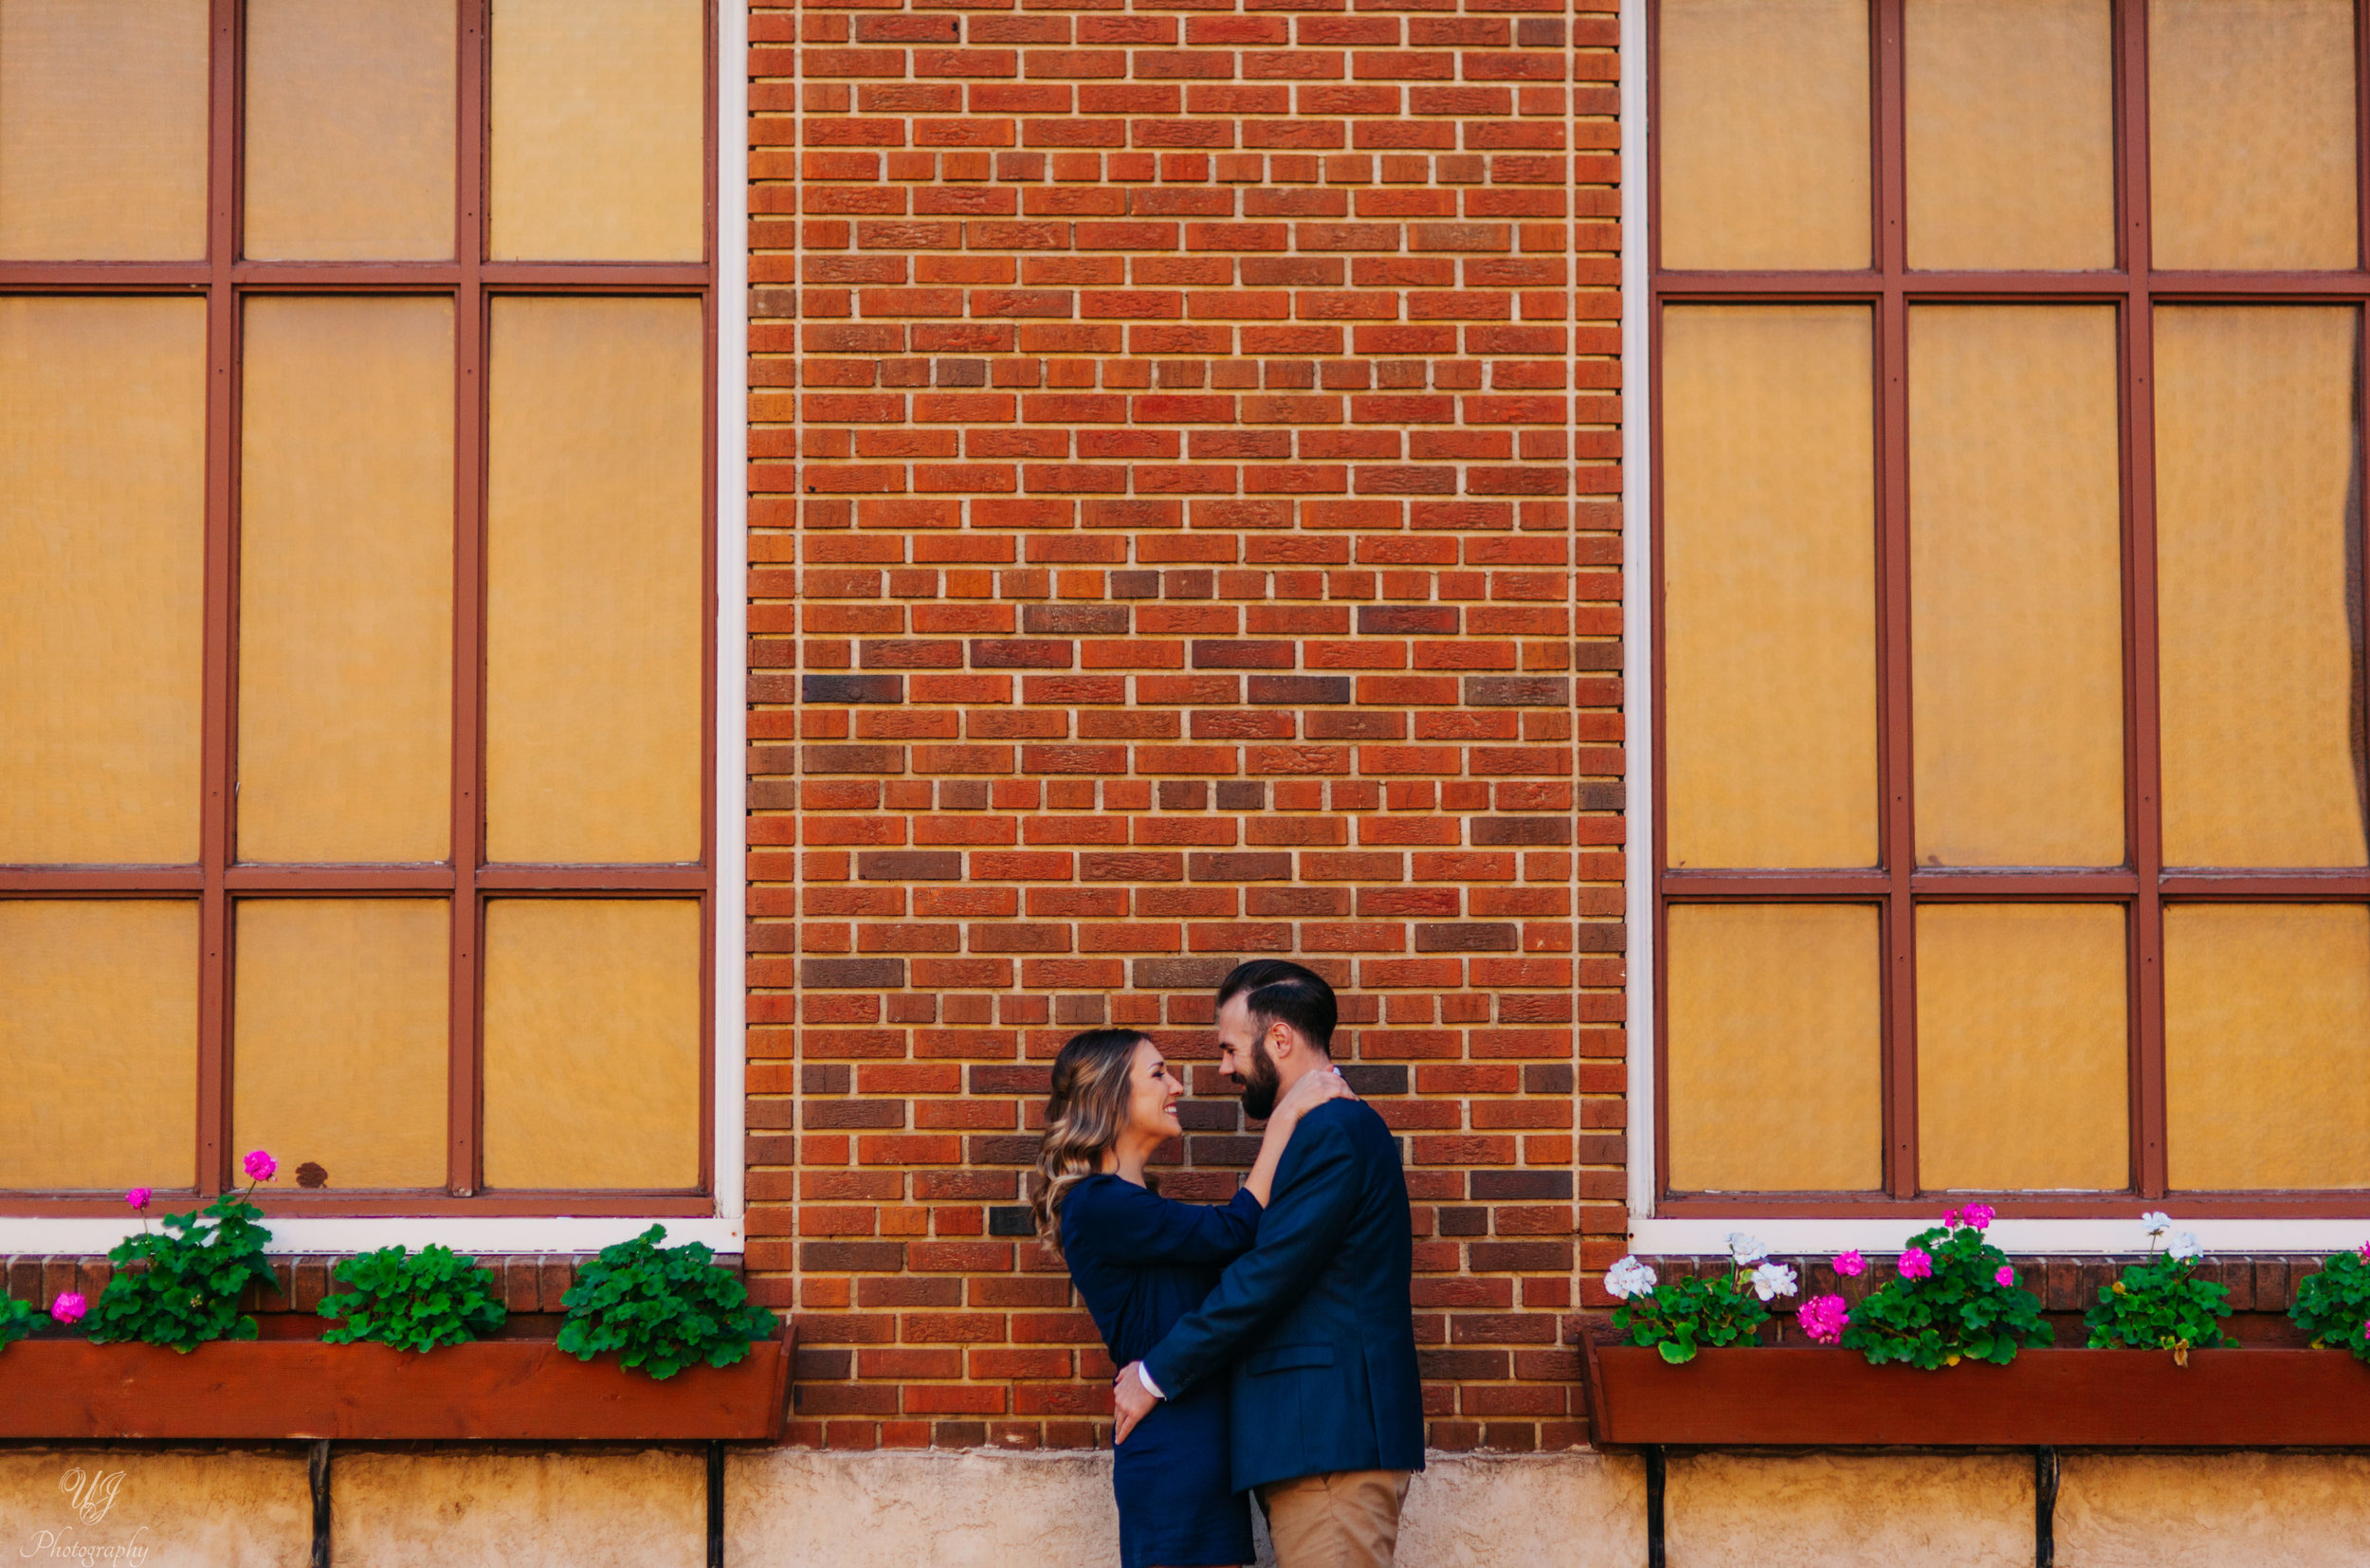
[(1145, 1373)]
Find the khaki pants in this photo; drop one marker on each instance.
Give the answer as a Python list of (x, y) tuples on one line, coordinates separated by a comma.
[(1349, 1519)]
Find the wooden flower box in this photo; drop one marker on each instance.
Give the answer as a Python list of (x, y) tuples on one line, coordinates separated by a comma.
[(2054, 1398), (517, 1390)]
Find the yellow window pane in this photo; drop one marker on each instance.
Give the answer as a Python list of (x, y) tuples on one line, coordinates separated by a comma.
[(599, 130), (2256, 527), (1769, 586), (594, 581), (2023, 1054), (2010, 128), (102, 577), (1776, 1073), (350, 113), (102, 130), (2016, 585), (343, 1013), (345, 570), (99, 1043), (2267, 1046), (2251, 133), (1765, 132), (593, 1043)]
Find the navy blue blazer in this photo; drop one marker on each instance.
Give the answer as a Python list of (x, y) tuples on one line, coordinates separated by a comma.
[(1315, 1320)]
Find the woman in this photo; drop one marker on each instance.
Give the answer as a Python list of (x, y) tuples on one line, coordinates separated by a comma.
[(1141, 1262)]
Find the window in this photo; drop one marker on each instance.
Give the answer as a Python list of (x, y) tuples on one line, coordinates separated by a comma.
[(2010, 777), (357, 601)]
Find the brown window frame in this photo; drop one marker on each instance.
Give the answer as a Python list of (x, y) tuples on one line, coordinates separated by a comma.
[(225, 282), (1897, 885)]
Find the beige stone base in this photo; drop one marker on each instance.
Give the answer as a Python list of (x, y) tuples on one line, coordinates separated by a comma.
[(519, 1510), (2215, 1510), (796, 1509), (102, 1508), (1832, 1510)]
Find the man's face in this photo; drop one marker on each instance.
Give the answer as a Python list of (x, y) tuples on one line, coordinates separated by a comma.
[(1242, 1057)]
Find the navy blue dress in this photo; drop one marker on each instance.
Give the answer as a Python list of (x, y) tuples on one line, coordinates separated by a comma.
[(1141, 1262)]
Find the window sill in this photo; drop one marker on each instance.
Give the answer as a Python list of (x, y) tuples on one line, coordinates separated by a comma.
[(2052, 1398), (495, 1390)]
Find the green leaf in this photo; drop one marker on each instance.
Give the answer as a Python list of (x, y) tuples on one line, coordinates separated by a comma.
[(17, 1319)]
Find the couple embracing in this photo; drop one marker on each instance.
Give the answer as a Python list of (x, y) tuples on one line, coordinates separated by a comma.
[(1266, 1345)]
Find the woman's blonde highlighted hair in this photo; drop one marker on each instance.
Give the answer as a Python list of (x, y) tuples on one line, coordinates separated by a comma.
[(1083, 1118)]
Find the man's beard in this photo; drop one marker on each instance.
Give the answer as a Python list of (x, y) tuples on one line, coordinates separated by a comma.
[(1261, 1089)]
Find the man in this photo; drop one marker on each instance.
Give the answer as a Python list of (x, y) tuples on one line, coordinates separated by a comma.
[(1314, 1321)]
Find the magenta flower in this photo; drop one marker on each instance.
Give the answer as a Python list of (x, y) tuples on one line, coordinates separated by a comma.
[(261, 1166), (1951, 1218), (1851, 1264), (2004, 1277), (1980, 1214), (2364, 1250), (2366, 1333), (1917, 1264), (1823, 1319), (69, 1306), (137, 1197)]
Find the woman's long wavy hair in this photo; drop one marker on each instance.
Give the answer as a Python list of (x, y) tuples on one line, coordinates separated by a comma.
[(1083, 1118)]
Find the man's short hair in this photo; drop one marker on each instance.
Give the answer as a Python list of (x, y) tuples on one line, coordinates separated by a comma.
[(1280, 993)]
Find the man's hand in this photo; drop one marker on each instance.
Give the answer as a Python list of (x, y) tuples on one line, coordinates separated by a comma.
[(1134, 1401)]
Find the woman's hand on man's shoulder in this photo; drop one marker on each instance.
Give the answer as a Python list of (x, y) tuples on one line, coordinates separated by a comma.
[(1314, 1089)]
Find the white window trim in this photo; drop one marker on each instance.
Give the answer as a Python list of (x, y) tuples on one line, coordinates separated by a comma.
[(724, 1230), (1650, 1232)]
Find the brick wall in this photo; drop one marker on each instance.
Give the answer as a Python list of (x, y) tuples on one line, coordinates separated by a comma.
[(1185, 517)]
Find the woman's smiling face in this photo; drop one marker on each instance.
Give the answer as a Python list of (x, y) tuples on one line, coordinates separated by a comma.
[(1151, 1094)]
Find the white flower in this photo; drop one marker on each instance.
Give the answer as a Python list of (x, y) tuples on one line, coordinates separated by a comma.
[(1773, 1279), (2156, 1223), (2184, 1246), (1628, 1278), (1746, 1250)]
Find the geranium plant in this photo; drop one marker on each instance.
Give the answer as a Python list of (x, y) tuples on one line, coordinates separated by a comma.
[(17, 1319), (2333, 1305), (180, 1287), (2159, 1304), (662, 1308), (1954, 1297), (1825, 1318), (1682, 1317), (413, 1301)]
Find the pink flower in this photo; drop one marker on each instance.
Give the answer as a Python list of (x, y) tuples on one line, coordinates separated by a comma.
[(137, 1197), (1823, 1318), (68, 1308), (2004, 1277), (2366, 1332), (1951, 1218), (2364, 1250), (1916, 1263), (1851, 1264), (1980, 1214), (261, 1166)]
